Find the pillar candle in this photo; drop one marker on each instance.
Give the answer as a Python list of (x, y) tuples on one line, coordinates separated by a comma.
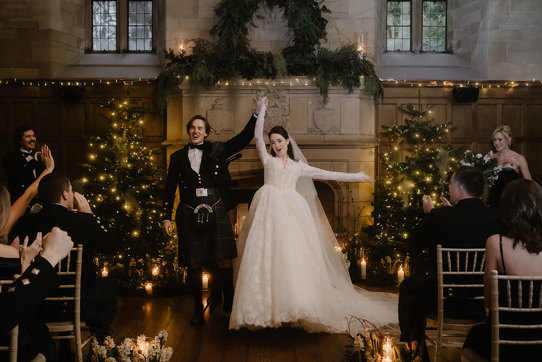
[(363, 269), (400, 275), (205, 281), (148, 288), (105, 272)]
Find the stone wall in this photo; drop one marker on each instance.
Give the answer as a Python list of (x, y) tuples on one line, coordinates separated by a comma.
[(188, 19), (39, 37), (500, 39)]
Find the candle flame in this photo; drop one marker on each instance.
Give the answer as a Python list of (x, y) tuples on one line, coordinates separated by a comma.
[(155, 271)]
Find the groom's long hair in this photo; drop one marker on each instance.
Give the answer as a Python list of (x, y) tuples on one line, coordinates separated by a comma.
[(281, 131)]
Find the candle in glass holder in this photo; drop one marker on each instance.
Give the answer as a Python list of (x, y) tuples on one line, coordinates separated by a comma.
[(105, 272), (363, 269), (400, 275), (155, 271), (387, 350), (148, 288), (205, 281)]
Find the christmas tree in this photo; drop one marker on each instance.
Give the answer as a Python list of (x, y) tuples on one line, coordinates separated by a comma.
[(416, 161), (123, 187)]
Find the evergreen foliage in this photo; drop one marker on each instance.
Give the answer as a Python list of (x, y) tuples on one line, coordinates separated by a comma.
[(122, 184), (416, 161), (229, 56)]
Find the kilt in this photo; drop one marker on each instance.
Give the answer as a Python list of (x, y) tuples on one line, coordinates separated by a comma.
[(213, 241)]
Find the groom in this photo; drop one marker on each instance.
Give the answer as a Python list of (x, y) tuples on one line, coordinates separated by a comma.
[(200, 171)]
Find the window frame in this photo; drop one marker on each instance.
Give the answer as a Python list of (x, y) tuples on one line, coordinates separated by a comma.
[(122, 29), (416, 27), (153, 46)]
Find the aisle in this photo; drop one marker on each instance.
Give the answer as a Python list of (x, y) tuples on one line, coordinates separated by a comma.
[(213, 341)]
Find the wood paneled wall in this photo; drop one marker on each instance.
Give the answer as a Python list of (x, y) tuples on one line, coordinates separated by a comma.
[(520, 108), (66, 125)]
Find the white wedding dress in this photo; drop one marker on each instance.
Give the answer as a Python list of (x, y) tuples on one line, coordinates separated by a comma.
[(288, 272)]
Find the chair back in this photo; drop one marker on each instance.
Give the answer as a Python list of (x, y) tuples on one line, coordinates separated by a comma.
[(459, 271), (69, 273), (516, 311), (11, 348)]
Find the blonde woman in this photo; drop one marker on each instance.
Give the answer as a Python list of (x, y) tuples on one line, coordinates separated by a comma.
[(513, 164)]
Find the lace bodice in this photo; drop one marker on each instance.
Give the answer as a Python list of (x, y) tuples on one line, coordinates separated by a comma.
[(285, 176)]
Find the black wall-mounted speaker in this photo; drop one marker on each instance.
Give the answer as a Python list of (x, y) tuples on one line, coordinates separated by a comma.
[(465, 94)]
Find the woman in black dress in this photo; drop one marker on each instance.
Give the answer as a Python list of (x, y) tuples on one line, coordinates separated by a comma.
[(513, 165)]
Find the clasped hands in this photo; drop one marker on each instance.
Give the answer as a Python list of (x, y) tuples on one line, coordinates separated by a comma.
[(54, 247), (428, 204)]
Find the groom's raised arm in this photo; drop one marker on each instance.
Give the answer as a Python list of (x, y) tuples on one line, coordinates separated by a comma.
[(237, 143)]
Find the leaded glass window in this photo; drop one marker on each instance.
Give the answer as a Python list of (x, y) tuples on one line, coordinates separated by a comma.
[(434, 26), (140, 25), (398, 25), (104, 25)]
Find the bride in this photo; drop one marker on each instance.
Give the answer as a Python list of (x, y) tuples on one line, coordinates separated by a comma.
[(288, 271)]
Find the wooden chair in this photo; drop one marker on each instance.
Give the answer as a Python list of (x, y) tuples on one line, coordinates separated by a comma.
[(13, 334), (70, 287), (462, 269), (519, 295)]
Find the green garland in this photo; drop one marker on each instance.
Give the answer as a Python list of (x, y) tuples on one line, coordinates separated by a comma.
[(229, 56)]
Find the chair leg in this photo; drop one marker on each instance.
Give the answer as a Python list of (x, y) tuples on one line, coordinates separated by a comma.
[(13, 340)]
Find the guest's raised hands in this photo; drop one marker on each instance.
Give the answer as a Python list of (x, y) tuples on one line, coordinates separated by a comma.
[(82, 203), (28, 253), (47, 157), (56, 245)]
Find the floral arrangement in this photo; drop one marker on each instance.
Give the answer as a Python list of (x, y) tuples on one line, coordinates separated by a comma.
[(486, 163), (371, 345), (140, 349)]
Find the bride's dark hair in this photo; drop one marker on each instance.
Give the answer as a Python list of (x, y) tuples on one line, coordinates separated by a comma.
[(281, 131)]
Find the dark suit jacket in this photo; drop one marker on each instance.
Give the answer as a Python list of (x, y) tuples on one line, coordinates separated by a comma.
[(83, 228), (20, 300), (466, 225), (213, 163), (20, 173)]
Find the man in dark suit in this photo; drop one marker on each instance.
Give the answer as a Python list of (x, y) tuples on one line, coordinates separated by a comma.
[(463, 222), (23, 166), (98, 302), (200, 170)]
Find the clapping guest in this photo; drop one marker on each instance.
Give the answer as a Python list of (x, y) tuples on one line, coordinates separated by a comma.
[(9, 214), (513, 165), (98, 295), (19, 301), (516, 253), (25, 164)]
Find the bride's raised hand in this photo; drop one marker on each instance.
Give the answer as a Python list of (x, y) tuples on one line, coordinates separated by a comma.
[(263, 102)]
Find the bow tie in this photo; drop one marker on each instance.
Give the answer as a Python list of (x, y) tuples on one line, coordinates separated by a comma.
[(199, 147)]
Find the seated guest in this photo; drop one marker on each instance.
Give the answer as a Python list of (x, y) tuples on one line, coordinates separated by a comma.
[(463, 222), (98, 297), (10, 262), (516, 253), (19, 300)]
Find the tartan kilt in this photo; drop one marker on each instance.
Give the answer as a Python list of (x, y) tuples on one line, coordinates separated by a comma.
[(202, 244)]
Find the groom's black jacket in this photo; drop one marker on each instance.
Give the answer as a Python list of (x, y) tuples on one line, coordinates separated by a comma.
[(213, 170)]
